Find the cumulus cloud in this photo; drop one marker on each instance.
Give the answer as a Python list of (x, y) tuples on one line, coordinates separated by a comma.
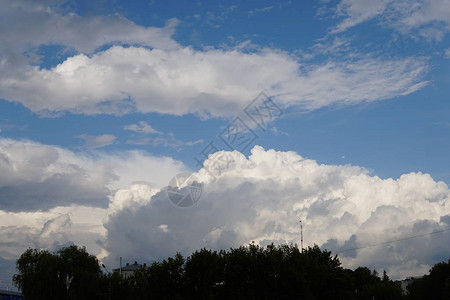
[(136, 195), (52, 229), (261, 198), (213, 83), (429, 17), (138, 166), (52, 197), (34, 176), (52, 226)]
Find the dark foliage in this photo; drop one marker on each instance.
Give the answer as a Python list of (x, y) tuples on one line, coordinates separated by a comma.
[(70, 273), (436, 285), (247, 272)]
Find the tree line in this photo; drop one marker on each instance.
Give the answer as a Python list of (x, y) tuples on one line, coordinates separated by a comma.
[(247, 272)]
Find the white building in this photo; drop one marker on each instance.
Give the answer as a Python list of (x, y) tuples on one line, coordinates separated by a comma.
[(128, 269)]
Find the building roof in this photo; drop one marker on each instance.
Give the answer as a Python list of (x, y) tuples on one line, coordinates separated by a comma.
[(131, 267)]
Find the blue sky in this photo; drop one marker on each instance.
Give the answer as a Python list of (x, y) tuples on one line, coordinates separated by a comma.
[(130, 92), (397, 135)]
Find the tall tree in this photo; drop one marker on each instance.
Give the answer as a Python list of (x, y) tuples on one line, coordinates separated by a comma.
[(40, 275), (70, 273), (82, 272)]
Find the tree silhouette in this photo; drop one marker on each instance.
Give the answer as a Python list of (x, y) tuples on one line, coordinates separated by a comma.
[(246, 272), (70, 273), (436, 285)]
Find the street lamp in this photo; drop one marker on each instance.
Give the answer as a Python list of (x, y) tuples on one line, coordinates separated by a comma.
[(109, 280)]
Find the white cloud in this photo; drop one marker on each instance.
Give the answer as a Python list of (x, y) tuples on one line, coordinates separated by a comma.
[(58, 196), (138, 166), (39, 177), (209, 83), (192, 143), (34, 23), (335, 46), (35, 176), (419, 13), (99, 141), (262, 198), (164, 141), (430, 18), (51, 197), (259, 198), (53, 225), (353, 82), (156, 74), (358, 11), (131, 197), (52, 229), (142, 127), (168, 141)]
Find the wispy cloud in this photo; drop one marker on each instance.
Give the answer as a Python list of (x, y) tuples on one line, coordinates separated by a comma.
[(6, 125), (91, 141), (183, 80), (428, 18), (142, 127), (278, 132), (180, 82), (260, 10), (447, 53), (216, 19), (164, 141)]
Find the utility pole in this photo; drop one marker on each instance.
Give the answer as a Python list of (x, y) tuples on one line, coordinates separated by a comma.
[(120, 269), (301, 234)]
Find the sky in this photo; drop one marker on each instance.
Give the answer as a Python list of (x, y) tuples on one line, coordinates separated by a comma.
[(335, 113)]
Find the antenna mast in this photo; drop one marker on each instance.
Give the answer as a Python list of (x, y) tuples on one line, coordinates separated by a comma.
[(301, 233)]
